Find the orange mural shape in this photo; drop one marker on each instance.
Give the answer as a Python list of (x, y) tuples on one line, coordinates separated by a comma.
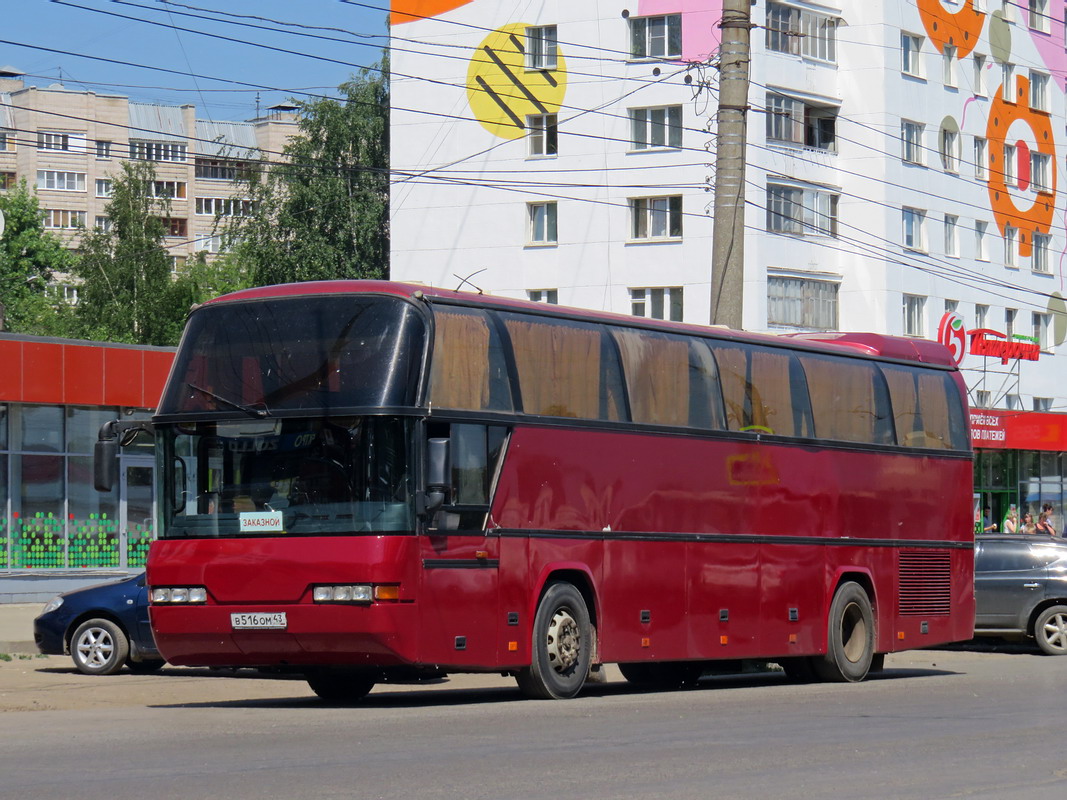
[(1038, 217), (412, 10), (960, 29)]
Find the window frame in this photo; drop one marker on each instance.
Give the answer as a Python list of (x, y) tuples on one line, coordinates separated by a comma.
[(542, 51), (542, 133), (911, 46), (913, 222), (914, 315), (644, 41), (653, 213), (669, 128), (800, 301), (661, 300), (542, 219), (911, 142)]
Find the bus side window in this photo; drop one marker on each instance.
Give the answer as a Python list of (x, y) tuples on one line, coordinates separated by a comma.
[(705, 393), (849, 400), (469, 370), (771, 392), (657, 373), (732, 369), (926, 408), (475, 453)]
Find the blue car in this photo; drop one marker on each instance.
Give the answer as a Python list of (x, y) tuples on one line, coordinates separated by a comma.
[(102, 627)]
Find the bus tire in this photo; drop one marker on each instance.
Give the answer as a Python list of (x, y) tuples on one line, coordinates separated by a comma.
[(340, 687), (562, 646), (850, 636), (663, 674)]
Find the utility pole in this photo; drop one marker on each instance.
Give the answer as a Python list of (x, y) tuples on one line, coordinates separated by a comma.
[(728, 244)]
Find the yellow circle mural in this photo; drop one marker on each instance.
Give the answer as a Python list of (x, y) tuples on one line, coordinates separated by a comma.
[(502, 90)]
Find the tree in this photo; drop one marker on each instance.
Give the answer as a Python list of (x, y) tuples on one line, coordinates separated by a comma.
[(29, 258), (127, 294), (323, 213)]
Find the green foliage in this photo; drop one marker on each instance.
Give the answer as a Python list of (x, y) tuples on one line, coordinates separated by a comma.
[(324, 213), (127, 294), (29, 257)]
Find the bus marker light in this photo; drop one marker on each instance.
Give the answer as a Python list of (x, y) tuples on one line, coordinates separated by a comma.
[(724, 640), (646, 642), (900, 635), (481, 554), (513, 647), (387, 592), (792, 638)]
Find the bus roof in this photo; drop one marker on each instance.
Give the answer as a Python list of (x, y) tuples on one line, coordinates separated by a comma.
[(871, 344)]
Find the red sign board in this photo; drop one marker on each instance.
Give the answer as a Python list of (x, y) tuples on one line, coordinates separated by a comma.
[(1017, 430), (985, 342)]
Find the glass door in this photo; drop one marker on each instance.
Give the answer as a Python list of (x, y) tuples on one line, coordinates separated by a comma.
[(137, 509)]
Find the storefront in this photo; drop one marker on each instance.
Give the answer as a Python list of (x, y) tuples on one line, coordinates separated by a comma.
[(56, 530), (1021, 460)]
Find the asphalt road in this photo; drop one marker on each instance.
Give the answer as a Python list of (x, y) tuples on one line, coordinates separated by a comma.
[(935, 724)]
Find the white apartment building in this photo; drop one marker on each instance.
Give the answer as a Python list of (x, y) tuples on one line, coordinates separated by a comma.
[(903, 163), (69, 145)]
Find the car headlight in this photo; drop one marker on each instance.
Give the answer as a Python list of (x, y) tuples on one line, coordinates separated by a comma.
[(53, 604)]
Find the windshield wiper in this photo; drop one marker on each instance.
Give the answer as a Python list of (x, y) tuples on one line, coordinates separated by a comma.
[(252, 411)]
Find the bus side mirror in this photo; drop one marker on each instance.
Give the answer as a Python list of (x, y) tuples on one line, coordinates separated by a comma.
[(437, 475), (105, 464)]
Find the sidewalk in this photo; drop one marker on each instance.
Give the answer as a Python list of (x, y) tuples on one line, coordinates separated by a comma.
[(16, 627)]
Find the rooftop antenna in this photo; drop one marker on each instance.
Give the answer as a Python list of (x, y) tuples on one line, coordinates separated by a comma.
[(467, 280), (257, 105)]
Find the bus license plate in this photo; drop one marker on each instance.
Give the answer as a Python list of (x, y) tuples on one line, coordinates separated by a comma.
[(274, 621)]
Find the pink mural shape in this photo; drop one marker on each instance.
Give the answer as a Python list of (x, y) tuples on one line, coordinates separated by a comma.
[(700, 24), (1049, 45)]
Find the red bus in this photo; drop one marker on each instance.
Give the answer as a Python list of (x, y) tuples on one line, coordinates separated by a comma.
[(370, 481)]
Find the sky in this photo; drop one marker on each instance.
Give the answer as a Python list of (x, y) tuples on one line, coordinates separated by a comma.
[(169, 35)]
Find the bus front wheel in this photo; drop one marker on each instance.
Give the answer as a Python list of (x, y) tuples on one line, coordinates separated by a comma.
[(850, 637), (562, 646), (340, 687)]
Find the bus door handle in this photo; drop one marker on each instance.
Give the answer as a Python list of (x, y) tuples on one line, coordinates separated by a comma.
[(1031, 585)]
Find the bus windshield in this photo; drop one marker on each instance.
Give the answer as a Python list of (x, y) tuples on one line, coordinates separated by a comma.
[(297, 355), (294, 477)]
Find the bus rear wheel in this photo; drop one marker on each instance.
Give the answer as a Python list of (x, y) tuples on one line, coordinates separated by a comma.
[(340, 687), (850, 637), (562, 646)]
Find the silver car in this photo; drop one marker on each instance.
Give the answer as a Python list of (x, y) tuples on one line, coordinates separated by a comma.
[(1020, 589)]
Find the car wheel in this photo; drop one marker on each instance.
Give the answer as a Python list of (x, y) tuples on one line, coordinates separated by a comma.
[(1050, 630), (145, 666), (99, 647)]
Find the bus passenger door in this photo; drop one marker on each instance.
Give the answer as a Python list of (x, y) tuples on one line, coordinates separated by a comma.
[(137, 509), (460, 563)]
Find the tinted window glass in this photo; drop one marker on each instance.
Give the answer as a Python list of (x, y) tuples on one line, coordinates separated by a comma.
[(849, 400), (763, 390), (468, 370)]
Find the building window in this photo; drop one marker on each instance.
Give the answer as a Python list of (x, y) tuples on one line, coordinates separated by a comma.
[(1011, 246), (541, 47), (952, 235), (1039, 93), (103, 149), (1041, 323), (979, 81), (949, 149), (1008, 167), (157, 151), (174, 226), (102, 224), (542, 134), (1007, 80), (656, 37), (1040, 172), (7, 141), (51, 140), (951, 306), (63, 292), (801, 212), (948, 66), (914, 315), (981, 157), (1039, 19), (911, 55), (797, 122), (542, 223), (1010, 315), (982, 398), (981, 315), (64, 219), (103, 187), (801, 32), (911, 141), (657, 303), (214, 243), (802, 303), (656, 217), (981, 246), (220, 170), (1042, 404), (167, 189), (8, 180), (550, 296), (223, 206), (1039, 261), (61, 181), (655, 127), (914, 221)]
